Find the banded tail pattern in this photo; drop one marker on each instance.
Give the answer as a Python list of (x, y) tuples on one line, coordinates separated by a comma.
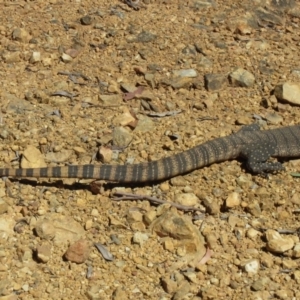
[(213, 151), (249, 142)]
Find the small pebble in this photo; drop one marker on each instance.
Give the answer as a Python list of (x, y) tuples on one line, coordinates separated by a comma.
[(140, 238), (251, 266), (78, 252), (233, 199), (278, 243)]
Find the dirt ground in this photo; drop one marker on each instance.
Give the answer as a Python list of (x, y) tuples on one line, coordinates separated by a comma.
[(140, 81)]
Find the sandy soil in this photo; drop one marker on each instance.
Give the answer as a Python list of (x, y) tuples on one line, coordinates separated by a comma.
[(69, 75)]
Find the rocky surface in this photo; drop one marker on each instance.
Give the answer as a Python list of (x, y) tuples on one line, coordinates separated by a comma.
[(132, 81)]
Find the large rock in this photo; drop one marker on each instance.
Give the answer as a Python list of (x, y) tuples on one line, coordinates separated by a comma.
[(288, 92), (181, 230)]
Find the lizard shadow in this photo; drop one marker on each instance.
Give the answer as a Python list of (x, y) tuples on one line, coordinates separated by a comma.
[(82, 186)]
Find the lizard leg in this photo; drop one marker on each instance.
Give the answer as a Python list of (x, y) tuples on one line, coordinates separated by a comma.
[(257, 156)]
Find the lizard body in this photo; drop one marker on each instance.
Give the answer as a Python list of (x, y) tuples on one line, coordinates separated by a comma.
[(254, 145)]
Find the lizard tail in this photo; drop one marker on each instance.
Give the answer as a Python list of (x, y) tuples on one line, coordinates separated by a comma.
[(202, 155)]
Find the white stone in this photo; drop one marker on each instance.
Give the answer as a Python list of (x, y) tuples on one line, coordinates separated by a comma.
[(35, 57), (66, 58), (251, 266)]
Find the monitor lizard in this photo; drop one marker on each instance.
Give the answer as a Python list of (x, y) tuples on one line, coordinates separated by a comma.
[(255, 145)]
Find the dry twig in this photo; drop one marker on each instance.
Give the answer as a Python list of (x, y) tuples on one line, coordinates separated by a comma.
[(126, 196), (162, 114), (64, 94), (131, 95), (134, 4)]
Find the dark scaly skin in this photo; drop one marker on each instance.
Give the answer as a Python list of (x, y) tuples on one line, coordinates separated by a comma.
[(254, 145)]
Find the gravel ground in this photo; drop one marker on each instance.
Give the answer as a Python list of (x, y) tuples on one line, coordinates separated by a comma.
[(136, 81)]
